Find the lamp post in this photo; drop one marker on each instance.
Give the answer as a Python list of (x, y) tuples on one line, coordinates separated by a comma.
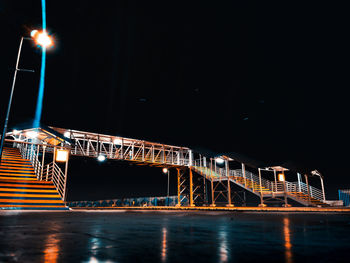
[(42, 39), (166, 171)]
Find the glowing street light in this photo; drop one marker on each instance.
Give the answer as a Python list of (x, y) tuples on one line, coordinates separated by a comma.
[(44, 40), (62, 155), (41, 38), (166, 171), (219, 160), (101, 158)]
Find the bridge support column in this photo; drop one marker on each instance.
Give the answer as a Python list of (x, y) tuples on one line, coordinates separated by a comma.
[(178, 188), (285, 195), (212, 183), (308, 188), (261, 193), (191, 188), (275, 178), (229, 201), (243, 173)]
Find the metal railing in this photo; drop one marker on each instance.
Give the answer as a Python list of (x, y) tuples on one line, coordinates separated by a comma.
[(252, 182), (31, 152), (54, 174), (344, 195)]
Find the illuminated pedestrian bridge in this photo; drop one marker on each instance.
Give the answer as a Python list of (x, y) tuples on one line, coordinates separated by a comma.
[(35, 162)]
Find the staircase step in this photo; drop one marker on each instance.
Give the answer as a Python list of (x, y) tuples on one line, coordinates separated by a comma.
[(25, 190), (20, 188), (29, 201), (29, 196)]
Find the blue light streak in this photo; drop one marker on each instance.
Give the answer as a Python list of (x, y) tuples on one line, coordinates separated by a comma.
[(39, 103)]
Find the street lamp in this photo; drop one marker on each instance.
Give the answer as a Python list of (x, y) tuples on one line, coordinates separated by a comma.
[(166, 171), (42, 39)]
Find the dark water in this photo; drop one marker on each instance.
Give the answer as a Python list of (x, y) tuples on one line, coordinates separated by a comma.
[(173, 237)]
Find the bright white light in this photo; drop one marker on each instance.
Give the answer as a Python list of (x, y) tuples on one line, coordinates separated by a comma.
[(62, 155), (33, 33), (281, 177), (32, 134), (67, 134), (43, 39), (117, 141), (15, 132), (165, 170), (101, 158), (219, 160)]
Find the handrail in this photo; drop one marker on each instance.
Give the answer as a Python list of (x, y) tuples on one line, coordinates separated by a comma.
[(54, 173), (31, 153), (253, 182)]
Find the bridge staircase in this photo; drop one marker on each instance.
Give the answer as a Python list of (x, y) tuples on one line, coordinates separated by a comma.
[(296, 191), (21, 189)]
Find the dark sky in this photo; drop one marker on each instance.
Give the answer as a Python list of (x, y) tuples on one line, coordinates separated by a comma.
[(267, 80)]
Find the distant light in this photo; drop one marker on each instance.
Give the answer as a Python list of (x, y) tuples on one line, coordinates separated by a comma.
[(281, 177), (101, 158), (62, 155), (67, 134), (117, 141), (219, 160), (165, 170), (15, 132), (42, 38), (32, 134)]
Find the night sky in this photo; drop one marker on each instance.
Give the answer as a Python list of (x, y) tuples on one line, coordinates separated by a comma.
[(266, 80)]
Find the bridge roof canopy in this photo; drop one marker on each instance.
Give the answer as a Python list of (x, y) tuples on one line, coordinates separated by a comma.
[(41, 134)]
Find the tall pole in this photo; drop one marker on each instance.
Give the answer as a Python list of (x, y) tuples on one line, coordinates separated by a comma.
[(243, 172), (178, 188), (191, 188), (261, 193), (308, 189), (323, 192), (168, 186), (229, 202), (10, 100)]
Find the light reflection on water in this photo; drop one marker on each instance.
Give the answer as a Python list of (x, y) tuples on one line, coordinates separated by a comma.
[(287, 242), (51, 249), (223, 246), (164, 245), (173, 237)]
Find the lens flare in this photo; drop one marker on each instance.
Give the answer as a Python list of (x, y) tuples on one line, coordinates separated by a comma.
[(43, 39)]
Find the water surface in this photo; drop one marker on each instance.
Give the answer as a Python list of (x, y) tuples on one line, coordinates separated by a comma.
[(173, 237)]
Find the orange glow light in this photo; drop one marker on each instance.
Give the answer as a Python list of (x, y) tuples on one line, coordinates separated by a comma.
[(62, 155), (281, 177), (42, 38)]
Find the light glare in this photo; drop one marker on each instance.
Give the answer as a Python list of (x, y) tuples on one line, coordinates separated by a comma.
[(281, 177), (219, 160), (43, 39), (62, 155), (33, 33), (32, 134), (117, 141), (15, 132), (67, 134), (165, 170), (101, 158)]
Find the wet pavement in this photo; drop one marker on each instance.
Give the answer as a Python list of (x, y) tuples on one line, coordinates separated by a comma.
[(169, 236)]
